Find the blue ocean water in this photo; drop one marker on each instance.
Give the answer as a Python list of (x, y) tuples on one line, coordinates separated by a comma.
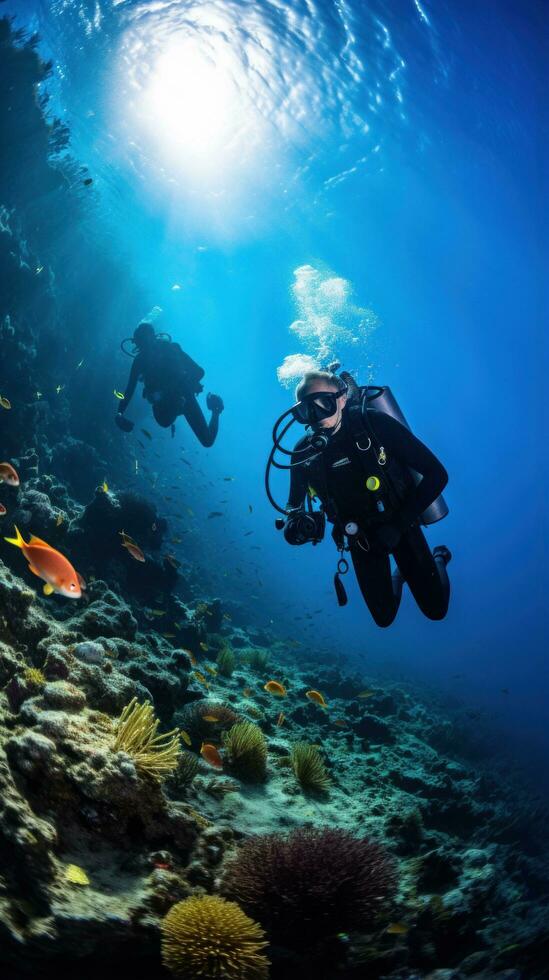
[(372, 171)]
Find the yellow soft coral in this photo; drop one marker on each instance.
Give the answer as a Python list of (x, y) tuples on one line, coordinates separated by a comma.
[(210, 938), (136, 735), (34, 676)]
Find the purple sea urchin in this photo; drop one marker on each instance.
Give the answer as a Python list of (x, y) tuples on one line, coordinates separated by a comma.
[(312, 884)]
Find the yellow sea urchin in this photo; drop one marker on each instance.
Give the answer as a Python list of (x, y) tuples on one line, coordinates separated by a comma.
[(211, 938)]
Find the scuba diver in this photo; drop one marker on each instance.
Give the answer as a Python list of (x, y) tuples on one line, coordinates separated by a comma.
[(376, 483), (171, 381)]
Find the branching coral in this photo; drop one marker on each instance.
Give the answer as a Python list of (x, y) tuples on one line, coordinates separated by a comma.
[(136, 735), (247, 751), (211, 938), (312, 884), (309, 768)]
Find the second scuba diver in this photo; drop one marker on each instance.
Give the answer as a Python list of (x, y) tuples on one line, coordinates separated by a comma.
[(357, 462), (171, 382)]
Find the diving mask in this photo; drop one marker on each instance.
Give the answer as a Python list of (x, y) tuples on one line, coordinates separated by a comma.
[(316, 406)]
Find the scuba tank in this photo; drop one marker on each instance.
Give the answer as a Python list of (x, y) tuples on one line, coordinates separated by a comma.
[(383, 400)]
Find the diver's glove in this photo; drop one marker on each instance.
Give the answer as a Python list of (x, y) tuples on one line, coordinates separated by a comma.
[(387, 536), (125, 424), (215, 403)]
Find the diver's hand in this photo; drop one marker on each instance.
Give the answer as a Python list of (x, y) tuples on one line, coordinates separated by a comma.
[(387, 536), (125, 424), (215, 403)]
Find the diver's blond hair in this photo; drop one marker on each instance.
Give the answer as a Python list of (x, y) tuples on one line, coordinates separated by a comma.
[(327, 376)]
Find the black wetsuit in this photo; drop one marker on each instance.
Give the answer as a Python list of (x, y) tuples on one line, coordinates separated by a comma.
[(338, 478), (171, 381)]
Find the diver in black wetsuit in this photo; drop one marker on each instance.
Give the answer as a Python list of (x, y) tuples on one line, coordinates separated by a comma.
[(358, 465), (171, 381)]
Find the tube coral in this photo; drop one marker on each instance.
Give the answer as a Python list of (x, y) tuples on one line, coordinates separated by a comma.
[(211, 938)]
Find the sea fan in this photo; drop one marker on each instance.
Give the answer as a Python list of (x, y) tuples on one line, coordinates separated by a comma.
[(210, 938), (307, 764), (246, 748), (312, 884)]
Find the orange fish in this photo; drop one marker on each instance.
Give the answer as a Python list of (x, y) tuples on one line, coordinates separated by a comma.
[(9, 475), (200, 677), (131, 547), (211, 718), (273, 687), (2, 510), (280, 719), (50, 565), (211, 755), (191, 657), (317, 697)]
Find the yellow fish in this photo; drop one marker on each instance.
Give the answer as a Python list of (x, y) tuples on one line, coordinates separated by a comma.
[(273, 687), (158, 612), (105, 486), (200, 677), (203, 646), (210, 718), (366, 694), (397, 929), (5, 402), (211, 670), (59, 520), (186, 737), (280, 719), (246, 691), (317, 697), (119, 395)]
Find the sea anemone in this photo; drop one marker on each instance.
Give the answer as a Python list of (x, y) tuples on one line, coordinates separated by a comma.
[(308, 767), (192, 721), (226, 662), (312, 884), (136, 735), (211, 938), (258, 660), (246, 748)]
